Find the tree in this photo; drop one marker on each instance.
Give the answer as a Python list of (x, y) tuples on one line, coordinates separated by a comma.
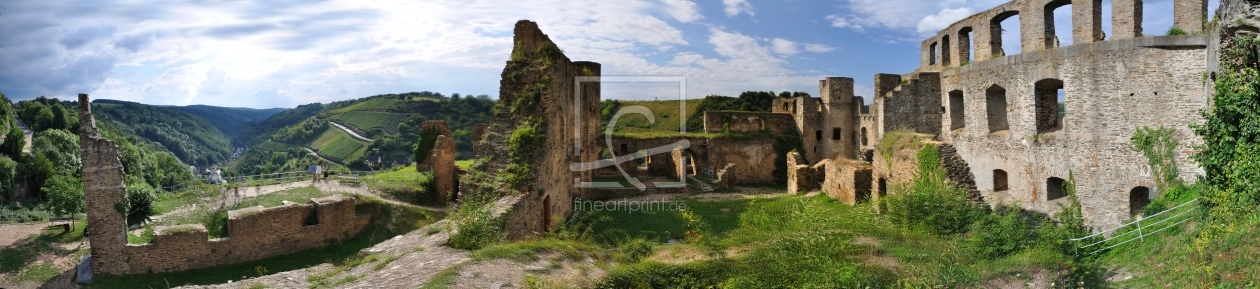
[(60, 147), (65, 194), (39, 170), (14, 141), (8, 176)]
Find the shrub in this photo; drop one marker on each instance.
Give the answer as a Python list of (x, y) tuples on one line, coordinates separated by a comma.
[(140, 202), (475, 226), (1000, 234), (706, 274), (216, 224), (1175, 31), (930, 201)]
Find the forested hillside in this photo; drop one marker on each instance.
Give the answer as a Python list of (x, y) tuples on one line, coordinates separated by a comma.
[(232, 121), (390, 122)]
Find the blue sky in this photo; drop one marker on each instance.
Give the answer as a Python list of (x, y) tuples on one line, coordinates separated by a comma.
[(286, 53)]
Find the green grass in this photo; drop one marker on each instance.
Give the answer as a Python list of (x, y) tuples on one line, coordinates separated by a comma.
[(276, 146), (372, 104), (40, 273), (338, 145), (666, 113), (443, 279), (367, 120), (388, 221), (797, 241), (463, 164)]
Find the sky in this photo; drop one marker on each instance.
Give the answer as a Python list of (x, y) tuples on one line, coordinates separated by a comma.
[(265, 54)]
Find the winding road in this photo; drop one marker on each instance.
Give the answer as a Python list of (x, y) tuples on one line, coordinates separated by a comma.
[(351, 132)]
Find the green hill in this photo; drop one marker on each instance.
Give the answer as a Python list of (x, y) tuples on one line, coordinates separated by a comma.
[(391, 121), (232, 121)]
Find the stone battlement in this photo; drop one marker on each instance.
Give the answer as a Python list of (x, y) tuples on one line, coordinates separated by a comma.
[(252, 233), (982, 32)]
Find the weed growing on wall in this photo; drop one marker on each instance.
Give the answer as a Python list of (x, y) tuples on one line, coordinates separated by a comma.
[(930, 201), (1158, 145), (475, 225)]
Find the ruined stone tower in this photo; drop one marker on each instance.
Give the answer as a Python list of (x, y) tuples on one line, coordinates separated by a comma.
[(106, 195)]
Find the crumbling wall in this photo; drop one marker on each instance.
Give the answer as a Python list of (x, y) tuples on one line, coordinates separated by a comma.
[(747, 160), (740, 121), (105, 195), (441, 160), (478, 135), (801, 177), (252, 234), (539, 87), (847, 181), (914, 105), (1111, 88), (958, 172)]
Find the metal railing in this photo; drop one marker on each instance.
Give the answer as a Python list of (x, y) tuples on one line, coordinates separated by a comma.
[(1140, 229)]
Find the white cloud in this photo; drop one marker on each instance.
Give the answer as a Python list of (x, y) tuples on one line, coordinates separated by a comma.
[(933, 23), (684, 11), (735, 7), (784, 47), (818, 48), (840, 22)]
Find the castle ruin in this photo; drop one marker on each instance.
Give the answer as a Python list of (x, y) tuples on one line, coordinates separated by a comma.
[(998, 116)]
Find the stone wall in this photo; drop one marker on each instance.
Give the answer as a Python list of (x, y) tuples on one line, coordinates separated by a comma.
[(914, 105), (1111, 88), (252, 234), (539, 82), (741, 121), (981, 33), (441, 160), (105, 195), (801, 177), (848, 181), (749, 160)]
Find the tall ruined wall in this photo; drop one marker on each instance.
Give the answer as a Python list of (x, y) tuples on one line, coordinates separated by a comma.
[(252, 234), (105, 195), (840, 117), (741, 121), (981, 34), (538, 87), (441, 160), (914, 105), (1110, 88)]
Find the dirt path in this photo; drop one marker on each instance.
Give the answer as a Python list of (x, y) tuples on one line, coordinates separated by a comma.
[(10, 234), (351, 132)]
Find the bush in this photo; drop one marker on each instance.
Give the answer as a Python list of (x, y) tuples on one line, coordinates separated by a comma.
[(140, 202), (216, 224), (475, 226), (1175, 31), (1000, 234), (930, 201), (707, 274)]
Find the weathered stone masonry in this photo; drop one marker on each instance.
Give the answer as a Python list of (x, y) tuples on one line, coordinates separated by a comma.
[(253, 233), (571, 111), (998, 110)]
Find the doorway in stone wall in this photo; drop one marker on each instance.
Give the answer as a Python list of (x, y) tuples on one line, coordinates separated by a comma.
[(546, 211)]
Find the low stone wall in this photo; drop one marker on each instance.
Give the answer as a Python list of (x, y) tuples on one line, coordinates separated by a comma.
[(847, 181), (253, 233), (742, 121), (800, 176)]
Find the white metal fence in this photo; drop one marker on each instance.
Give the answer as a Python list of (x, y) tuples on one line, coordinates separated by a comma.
[(1140, 229)]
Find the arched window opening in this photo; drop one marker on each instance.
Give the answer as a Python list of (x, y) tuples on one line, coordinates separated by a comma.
[(1050, 105), (1000, 181), (1054, 189), (956, 110), (995, 97)]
